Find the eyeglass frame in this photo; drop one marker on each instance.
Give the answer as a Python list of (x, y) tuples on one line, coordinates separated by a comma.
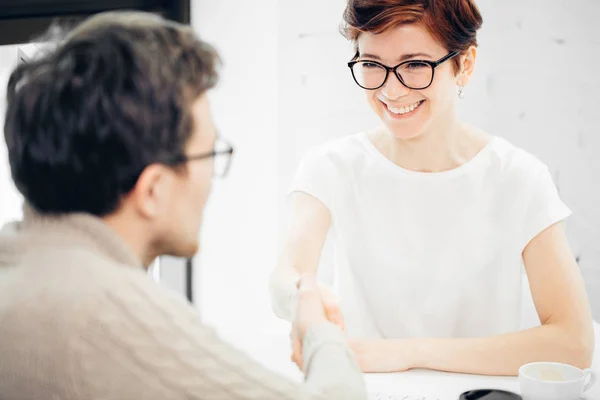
[(212, 154), (432, 64)]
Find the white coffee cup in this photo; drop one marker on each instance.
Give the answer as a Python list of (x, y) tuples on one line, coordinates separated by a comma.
[(554, 381)]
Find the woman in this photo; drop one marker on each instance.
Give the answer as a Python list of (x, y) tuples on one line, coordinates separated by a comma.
[(432, 219)]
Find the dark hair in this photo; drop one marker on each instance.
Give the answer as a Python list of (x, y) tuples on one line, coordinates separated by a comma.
[(452, 23), (84, 119)]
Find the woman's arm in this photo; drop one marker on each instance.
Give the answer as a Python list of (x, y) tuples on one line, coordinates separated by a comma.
[(566, 334), (309, 223)]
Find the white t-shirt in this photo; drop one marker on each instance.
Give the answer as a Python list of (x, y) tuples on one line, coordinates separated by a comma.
[(430, 254)]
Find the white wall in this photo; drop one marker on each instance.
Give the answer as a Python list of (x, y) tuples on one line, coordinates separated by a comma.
[(266, 105), (538, 87), (239, 238)]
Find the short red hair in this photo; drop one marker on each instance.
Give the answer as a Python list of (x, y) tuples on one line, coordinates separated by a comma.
[(452, 23)]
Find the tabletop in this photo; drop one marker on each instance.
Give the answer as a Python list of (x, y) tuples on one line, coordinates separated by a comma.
[(273, 351)]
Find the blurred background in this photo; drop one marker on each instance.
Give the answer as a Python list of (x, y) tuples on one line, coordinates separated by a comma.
[(285, 87)]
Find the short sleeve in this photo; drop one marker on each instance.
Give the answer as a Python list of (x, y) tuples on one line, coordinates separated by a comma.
[(544, 208), (316, 176)]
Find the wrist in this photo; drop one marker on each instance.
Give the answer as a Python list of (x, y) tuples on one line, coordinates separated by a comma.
[(283, 288), (406, 353)]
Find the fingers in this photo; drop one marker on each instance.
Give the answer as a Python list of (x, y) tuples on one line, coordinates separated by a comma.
[(296, 356), (332, 307), (296, 346), (334, 314), (338, 320), (297, 360)]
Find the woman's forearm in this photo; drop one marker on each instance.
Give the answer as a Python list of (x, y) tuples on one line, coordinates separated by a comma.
[(495, 355), (504, 354)]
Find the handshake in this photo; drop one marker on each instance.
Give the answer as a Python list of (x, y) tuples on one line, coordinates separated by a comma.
[(316, 304)]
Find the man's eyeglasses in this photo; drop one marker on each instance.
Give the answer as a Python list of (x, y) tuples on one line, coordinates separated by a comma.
[(414, 74), (222, 155)]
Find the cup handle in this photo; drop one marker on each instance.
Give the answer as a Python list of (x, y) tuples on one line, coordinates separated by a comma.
[(590, 378)]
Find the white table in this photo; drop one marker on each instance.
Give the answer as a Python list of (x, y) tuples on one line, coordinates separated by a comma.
[(274, 353)]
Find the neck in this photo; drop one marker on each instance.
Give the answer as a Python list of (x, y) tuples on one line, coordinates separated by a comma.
[(134, 235), (436, 150)]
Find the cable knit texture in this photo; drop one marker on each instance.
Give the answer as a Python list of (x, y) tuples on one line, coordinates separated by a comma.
[(80, 319)]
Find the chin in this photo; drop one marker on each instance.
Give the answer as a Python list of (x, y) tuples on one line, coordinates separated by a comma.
[(190, 250), (404, 132), (182, 249)]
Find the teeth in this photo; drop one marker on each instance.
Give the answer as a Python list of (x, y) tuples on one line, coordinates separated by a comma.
[(403, 110)]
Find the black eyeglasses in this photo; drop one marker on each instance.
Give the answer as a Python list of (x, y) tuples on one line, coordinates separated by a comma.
[(414, 74), (222, 155)]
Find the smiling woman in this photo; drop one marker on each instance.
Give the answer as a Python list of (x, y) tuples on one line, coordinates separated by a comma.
[(432, 219), (428, 37)]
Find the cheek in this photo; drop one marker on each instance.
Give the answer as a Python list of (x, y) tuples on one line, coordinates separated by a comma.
[(193, 191), (371, 97), (201, 184), (445, 85), (441, 95)]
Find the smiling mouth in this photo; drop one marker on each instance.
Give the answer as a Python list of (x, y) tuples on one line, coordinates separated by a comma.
[(403, 110)]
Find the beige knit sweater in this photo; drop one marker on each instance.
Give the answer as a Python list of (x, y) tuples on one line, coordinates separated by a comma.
[(80, 319)]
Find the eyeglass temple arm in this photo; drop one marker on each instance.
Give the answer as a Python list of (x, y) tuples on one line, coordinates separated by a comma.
[(448, 56)]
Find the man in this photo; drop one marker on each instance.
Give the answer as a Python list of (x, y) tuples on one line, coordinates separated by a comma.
[(111, 142)]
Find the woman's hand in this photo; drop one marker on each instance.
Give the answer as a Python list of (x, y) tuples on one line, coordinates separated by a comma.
[(331, 303)]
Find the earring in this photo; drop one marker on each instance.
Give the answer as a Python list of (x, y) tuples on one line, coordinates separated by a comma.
[(461, 93)]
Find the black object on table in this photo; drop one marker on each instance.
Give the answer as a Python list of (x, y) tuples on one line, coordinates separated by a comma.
[(489, 394)]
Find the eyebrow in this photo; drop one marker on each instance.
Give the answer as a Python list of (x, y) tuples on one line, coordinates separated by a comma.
[(401, 58)]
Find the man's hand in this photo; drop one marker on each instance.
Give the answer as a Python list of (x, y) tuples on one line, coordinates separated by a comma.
[(296, 351), (332, 312), (309, 311)]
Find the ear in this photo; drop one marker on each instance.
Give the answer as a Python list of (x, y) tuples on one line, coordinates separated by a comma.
[(151, 191), (467, 66)]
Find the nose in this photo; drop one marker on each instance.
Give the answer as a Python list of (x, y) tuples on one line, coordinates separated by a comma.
[(394, 89)]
